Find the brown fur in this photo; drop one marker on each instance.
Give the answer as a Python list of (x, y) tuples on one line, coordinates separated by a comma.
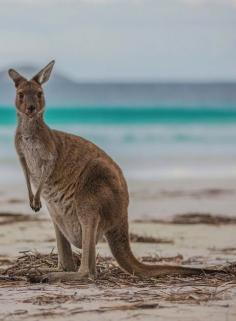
[(84, 189)]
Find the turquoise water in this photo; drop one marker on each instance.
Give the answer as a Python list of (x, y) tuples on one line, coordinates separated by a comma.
[(128, 115), (148, 143)]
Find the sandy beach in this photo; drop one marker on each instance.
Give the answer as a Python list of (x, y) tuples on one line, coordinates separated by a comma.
[(154, 209), (153, 85)]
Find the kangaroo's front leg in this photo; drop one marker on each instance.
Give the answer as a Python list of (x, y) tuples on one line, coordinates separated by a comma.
[(27, 178), (35, 202)]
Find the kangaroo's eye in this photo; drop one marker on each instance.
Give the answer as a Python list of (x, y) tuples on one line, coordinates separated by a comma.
[(40, 94), (21, 95)]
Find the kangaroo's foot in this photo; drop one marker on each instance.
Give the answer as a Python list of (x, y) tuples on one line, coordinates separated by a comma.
[(40, 271), (70, 267), (61, 277)]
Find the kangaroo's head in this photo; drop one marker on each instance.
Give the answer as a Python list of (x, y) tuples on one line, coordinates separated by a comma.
[(29, 93)]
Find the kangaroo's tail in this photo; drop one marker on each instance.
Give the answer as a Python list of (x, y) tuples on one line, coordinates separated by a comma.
[(118, 239)]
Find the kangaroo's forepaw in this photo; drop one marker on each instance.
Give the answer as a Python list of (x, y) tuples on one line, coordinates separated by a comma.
[(35, 204)]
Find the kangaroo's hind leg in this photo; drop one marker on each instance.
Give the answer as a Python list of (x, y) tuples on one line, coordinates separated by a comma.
[(89, 224), (65, 256), (89, 240)]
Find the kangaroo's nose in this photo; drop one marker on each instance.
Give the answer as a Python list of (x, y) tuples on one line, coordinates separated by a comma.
[(31, 108)]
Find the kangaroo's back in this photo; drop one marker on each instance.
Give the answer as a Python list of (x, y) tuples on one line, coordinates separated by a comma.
[(74, 153)]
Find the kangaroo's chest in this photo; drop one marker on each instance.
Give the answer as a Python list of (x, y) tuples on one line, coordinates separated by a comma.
[(32, 151)]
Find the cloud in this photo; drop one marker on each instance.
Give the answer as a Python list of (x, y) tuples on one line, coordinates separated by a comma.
[(131, 39)]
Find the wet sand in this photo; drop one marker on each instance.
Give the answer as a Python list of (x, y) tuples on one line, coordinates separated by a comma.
[(198, 244)]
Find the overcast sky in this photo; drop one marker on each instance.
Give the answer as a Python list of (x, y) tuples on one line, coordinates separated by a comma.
[(118, 39)]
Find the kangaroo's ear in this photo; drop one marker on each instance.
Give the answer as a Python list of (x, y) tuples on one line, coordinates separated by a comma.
[(16, 77), (44, 74)]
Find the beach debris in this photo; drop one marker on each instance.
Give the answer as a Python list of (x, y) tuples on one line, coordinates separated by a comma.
[(156, 258), (149, 239), (33, 262), (197, 218), (11, 218), (136, 292), (15, 201), (136, 238), (193, 218), (185, 218), (9, 278), (195, 193)]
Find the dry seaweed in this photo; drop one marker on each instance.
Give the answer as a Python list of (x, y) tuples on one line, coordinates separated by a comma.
[(108, 271), (156, 258), (194, 289), (11, 218), (136, 238), (202, 193), (186, 218), (194, 218), (149, 239), (50, 299)]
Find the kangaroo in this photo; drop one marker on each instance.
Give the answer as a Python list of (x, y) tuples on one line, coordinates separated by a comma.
[(84, 189)]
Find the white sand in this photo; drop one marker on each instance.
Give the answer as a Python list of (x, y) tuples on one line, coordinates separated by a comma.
[(150, 200)]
